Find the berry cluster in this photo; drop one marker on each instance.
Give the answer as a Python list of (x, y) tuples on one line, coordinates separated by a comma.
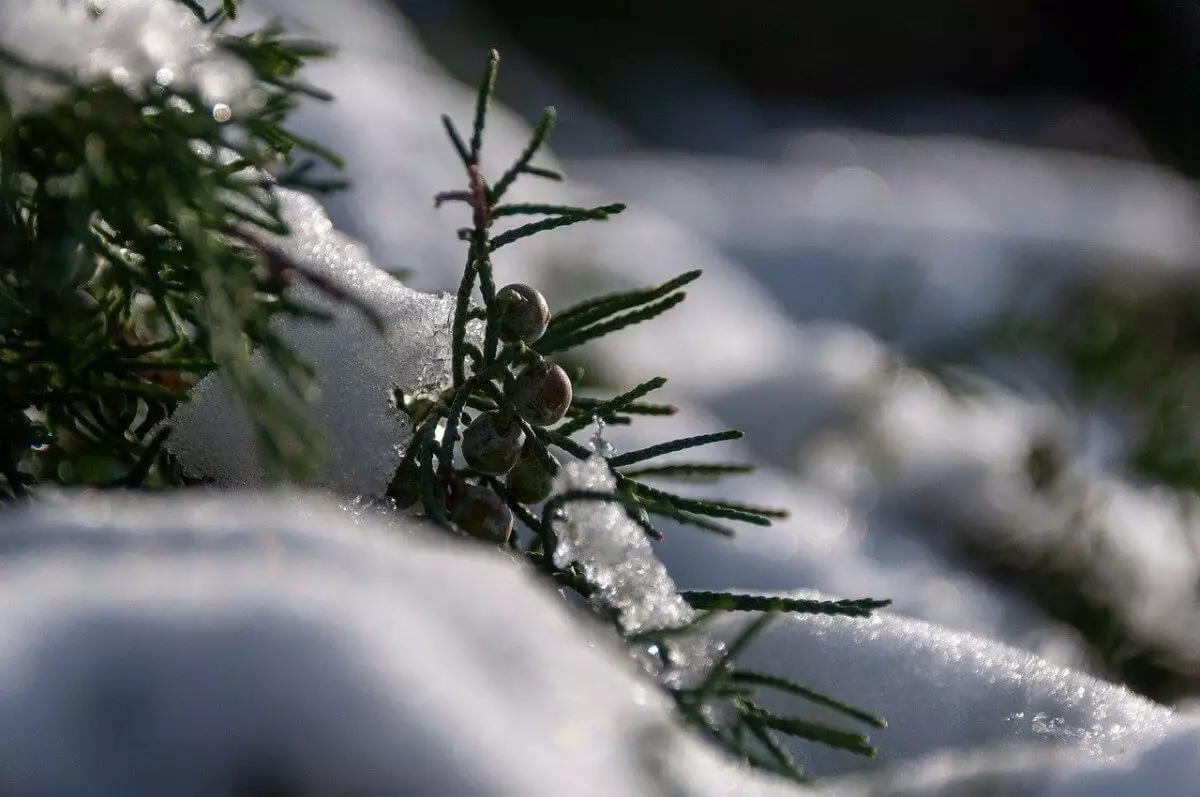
[(514, 405)]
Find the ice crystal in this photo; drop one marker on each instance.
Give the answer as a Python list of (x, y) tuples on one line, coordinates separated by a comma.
[(616, 559), (133, 43)]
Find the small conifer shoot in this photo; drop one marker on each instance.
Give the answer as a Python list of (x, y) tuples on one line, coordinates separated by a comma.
[(493, 457)]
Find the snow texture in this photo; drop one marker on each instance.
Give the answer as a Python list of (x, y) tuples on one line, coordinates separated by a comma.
[(1169, 768), (615, 556), (358, 366), (265, 644), (941, 689), (136, 44)]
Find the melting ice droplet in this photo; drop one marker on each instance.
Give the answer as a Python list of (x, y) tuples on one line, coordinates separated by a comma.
[(597, 443)]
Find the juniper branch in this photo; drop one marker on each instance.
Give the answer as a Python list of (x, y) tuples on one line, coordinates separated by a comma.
[(613, 405)]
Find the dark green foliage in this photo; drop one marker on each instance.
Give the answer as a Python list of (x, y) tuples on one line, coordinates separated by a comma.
[(130, 266), (487, 379)]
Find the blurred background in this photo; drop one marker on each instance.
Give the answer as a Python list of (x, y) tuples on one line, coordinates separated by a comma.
[(951, 253)]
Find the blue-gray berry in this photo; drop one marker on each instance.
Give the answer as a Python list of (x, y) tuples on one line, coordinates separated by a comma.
[(493, 442), (541, 393), (524, 313)]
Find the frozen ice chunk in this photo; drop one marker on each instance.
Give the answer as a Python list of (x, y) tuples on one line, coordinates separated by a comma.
[(616, 558), (133, 43), (946, 689), (357, 367), (194, 646)]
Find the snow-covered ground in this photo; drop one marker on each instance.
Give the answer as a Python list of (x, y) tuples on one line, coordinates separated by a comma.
[(274, 637), (218, 645)]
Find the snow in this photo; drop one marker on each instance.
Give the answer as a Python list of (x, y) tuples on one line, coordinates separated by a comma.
[(134, 43), (154, 647), (1168, 768), (171, 645), (614, 555), (174, 645), (941, 689), (212, 435)]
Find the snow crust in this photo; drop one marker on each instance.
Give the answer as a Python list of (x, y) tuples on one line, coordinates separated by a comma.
[(614, 554), (941, 689), (134, 43), (1169, 768), (189, 645), (213, 436)]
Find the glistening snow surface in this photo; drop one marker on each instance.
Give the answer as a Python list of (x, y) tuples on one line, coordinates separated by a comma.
[(196, 645), (1168, 768), (940, 689), (615, 555), (359, 367), (133, 43)]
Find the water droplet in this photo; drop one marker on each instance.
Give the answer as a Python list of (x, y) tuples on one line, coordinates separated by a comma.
[(597, 443), (222, 112)]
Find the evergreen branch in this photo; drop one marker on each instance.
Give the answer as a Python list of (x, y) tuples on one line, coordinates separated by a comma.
[(683, 518), (572, 340), (590, 406), (558, 503), (794, 726), (533, 228), (731, 602), (462, 306), (662, 634), (487, 87), (690, 471), (613, 405), (696, 506), (777, 751), (540, 134), (456, 140), (137, 476), (525, 209), (723, 666), (546, 174), (487, 289), (591, 310), (642, 454), (195, 8), (549, 436), (792, 688), (761, 511)]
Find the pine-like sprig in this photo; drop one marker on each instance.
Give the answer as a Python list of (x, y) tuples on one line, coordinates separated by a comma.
[(482, 374), (129, 265)]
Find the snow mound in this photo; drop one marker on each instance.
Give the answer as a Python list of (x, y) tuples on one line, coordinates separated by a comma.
[(941, 689), (358, 367), (195, 646), (614, 554), (1169, 768)]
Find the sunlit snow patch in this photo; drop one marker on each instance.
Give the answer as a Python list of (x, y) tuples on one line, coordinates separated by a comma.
[(615, 556), (943, 689), (195, 646), (133, 43), (356, 366)]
